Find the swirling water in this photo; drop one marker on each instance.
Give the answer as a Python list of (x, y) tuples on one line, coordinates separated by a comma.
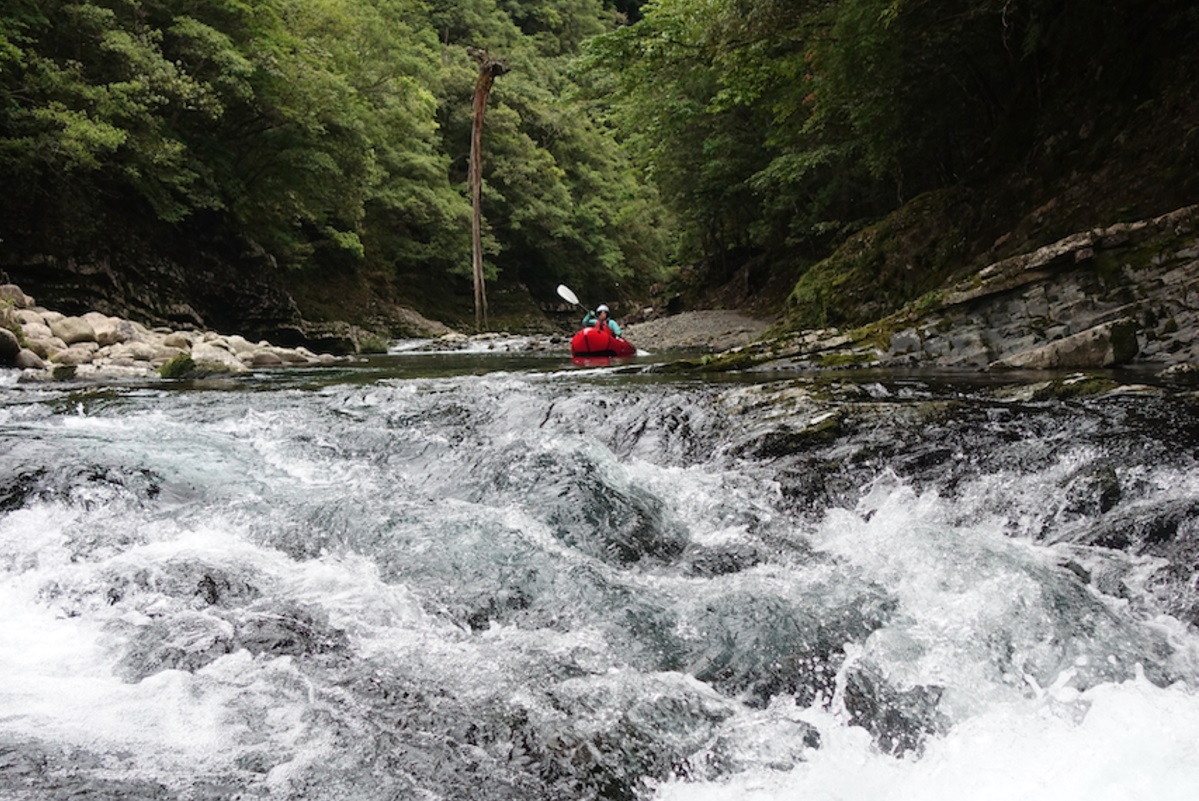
[(535, 582)]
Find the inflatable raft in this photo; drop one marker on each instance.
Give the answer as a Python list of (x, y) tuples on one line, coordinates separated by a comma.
[(594, 342)]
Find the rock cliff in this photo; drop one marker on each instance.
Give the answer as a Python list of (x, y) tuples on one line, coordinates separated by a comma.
[(1127, 294)]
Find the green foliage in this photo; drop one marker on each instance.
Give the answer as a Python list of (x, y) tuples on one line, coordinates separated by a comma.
[(333, 135), (561, 201), (372, 342), (789, 125), (714, 100), (180, 366), (901, 259), (323, 133)]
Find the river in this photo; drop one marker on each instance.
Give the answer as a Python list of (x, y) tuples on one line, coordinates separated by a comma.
[(497, 576)]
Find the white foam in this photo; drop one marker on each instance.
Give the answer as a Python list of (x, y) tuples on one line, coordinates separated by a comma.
[(1009, 736), (60, 644), (57, 684), (1116, 742)]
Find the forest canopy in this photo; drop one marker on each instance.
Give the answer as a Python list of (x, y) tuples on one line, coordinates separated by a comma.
[(325, 134), (788, 125), (628, 136)]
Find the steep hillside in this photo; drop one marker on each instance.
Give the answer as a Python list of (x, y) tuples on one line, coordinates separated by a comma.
[(1080, 179)]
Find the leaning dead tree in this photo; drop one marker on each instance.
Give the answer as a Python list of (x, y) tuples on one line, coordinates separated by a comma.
[(489, 69)]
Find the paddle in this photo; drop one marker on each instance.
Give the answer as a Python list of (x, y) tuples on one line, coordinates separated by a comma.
[(568, 296)]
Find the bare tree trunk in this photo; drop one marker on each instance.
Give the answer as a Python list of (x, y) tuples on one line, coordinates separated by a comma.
[(489, 69)]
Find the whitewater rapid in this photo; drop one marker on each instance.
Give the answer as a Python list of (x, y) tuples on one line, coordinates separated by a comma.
[(560, 584)]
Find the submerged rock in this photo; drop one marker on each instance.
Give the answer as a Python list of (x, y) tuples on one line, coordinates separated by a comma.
[(184, 641), (898, 720)]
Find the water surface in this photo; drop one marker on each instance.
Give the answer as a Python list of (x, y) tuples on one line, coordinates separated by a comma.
[(499, 576)]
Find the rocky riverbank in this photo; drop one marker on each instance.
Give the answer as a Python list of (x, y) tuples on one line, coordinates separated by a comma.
[(46, 344), (1122, 296), (708, 330)]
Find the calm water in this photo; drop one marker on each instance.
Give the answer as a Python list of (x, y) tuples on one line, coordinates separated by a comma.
[(496, 575)]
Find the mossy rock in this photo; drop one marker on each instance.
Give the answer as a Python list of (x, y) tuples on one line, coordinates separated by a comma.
[(728, 361), (373, 343), (820, 431), (1075, 386), (847, 358), (904, 258), (9, 321), (181, 366)]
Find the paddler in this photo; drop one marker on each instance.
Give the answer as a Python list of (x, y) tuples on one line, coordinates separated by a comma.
[(600, 319)]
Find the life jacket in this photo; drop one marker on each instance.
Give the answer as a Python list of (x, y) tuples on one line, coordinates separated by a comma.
[(601, 324)]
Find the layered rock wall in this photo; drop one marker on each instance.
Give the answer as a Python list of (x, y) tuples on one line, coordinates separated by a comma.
[(1111, 296)]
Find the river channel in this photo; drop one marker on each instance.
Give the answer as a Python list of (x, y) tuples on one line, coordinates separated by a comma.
[(497, 575)]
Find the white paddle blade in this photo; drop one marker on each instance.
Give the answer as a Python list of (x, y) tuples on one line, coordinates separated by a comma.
[(567, 295)]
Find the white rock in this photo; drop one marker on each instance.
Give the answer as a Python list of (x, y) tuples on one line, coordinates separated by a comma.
[(74, 355), (239, 344), (117, 331), (73, 329), (208, 356), (28, 360), (136, 351), (289, 356), (37, 330), (45, 347), (265, 358), (179, 339), (13, 294)]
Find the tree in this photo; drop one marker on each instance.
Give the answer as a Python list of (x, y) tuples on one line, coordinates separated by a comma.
[(489, 69)]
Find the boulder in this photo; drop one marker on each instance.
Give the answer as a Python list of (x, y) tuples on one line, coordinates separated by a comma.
[(135, 351), (210, 358), (180, 339), (13, 294), (239, 344), (10, 346), (28, 360), (1104, 345), (45, 347), (99, 322), (37, 330), (73, 329), (264, 358), (74, 355), (290, 356), (97, 346), (114, 331), (164, 353)]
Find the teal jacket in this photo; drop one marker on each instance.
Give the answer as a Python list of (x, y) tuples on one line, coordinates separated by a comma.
[(591, 319)]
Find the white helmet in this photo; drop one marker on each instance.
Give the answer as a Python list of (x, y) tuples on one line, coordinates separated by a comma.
[(600, 308)]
